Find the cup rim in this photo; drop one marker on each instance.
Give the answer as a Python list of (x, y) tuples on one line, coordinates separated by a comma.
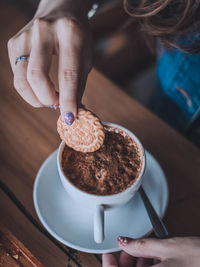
[(95, 196)]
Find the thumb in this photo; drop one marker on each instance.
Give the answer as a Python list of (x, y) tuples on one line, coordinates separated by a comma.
[(146, 248), (109, 260)]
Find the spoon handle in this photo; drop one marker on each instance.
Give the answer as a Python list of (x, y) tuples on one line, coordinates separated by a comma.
[(158, 226)]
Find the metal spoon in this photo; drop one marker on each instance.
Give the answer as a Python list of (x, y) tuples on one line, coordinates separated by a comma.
[(158, 226)]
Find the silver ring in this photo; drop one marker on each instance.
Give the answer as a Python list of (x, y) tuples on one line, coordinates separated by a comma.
[(21, 58)]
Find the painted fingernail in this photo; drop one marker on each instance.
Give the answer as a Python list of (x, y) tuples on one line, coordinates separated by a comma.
[(69, 118), (123, 240), (51, 106)]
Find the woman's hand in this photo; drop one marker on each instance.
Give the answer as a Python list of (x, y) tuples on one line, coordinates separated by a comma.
[(58, 27), (172, 252)]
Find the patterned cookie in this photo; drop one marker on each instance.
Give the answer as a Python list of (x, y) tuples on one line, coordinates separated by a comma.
[(86, 134)]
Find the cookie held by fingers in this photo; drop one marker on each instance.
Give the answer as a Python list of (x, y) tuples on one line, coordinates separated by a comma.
[(86, 134)]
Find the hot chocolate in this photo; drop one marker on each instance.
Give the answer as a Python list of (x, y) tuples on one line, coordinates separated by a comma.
[(109, 170)]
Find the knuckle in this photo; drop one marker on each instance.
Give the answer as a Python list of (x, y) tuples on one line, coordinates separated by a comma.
[(140, 244), (40, 27), (35, 75), (70, 75), (38, 23), (70, 26), (67, 22), (23, 36)]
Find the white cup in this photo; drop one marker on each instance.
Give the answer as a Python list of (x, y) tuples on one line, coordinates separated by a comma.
[(100, 203)]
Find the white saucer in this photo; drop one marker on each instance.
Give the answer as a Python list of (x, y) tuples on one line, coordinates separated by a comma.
[(73, 225)]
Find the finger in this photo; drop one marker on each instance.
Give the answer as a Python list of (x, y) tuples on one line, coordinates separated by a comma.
[(69, 69), (142, 262), (146, 248), (109, 260), (18, 47), (22, 86), (39, 64), (126, 260)]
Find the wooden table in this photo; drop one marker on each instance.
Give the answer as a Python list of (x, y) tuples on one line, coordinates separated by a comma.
[(29, 135)]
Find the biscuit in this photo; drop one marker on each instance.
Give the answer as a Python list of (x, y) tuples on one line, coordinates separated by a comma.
[(86, 134)]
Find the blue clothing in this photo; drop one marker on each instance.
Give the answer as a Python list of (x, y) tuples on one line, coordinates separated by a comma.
[(179, 77)]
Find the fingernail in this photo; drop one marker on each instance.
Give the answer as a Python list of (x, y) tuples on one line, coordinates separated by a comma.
[(123, 240), (52, 106), (69, 118)]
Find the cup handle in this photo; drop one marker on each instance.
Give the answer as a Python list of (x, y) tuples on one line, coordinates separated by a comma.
[(99, 224)]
